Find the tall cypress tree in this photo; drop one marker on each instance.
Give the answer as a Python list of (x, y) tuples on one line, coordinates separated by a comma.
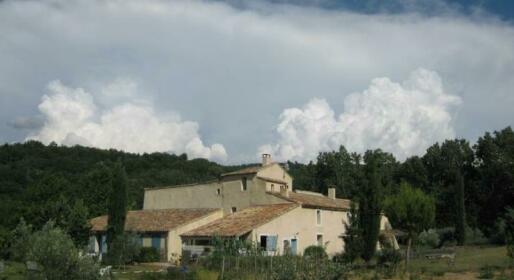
[(370, 204), (460, 222), (117, 203), (352, 238)]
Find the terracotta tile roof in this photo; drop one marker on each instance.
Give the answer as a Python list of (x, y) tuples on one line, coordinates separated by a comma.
[(154, 220), (248, 170), (243, 221), (316, 201)]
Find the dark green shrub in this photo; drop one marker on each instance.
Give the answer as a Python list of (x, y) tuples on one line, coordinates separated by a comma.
[(486, 272), (54, 251), (124, 249), (509, 232), (389, 257), (20, 245), (148, 254), (428, 238), (315, 252)]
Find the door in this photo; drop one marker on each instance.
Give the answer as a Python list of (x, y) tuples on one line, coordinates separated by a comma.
[(294, 246)]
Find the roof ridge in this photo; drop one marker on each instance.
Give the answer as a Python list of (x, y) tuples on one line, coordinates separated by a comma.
[(183, 185)]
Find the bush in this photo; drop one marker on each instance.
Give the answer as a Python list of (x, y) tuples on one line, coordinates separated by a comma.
[(486, 272), (315, 252), (428, 238), (390, 257), (21, 241), (54, 251), (124, 249), (509, 232), (497, 235), (474, 236), (446, 235), (148, 254)]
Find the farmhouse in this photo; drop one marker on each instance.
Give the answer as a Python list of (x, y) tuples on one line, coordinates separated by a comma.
[(256, 204)]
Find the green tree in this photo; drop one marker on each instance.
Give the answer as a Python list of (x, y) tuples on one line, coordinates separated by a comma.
[(413, 171), (95, 189), (509, 231), (338, 169), (54, 251), (352, 237), (78, 226), (495, 164), (460, 225), (124, 249), (117, 203), (376, 174), (20, 244), (410, 210), (442, 162)]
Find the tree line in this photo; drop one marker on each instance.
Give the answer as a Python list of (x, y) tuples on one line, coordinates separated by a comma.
[(471, 186), (70, 185)]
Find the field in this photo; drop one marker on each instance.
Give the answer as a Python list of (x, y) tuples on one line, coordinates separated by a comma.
[(472, 262)]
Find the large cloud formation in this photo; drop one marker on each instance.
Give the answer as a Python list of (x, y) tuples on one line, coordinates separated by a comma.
[(403, 119), (233, 70), (72, 118)]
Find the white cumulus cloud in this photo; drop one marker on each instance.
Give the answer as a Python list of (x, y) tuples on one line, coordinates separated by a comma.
[(72, 117), (401, 118)]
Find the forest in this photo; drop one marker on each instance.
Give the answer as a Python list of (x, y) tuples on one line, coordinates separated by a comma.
[(471, 184)]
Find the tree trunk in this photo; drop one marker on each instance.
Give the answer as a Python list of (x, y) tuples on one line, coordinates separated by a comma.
[(407, 252)]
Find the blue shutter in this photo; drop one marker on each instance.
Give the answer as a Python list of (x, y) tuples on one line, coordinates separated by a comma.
[(271, 244), (156, 242), (294, 244), (103, 244)]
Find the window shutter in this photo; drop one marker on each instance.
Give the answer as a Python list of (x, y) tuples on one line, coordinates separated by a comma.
[(272, 243)]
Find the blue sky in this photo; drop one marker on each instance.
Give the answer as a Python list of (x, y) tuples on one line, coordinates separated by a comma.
[(503, 9), (227, 80)]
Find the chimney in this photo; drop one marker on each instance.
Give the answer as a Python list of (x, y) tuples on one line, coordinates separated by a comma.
[(332, 193), (266, 159)]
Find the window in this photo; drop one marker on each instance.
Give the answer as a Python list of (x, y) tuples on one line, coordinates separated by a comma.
[(319, 239), (264, 240), (234, 209), (243, 184), (318, 217), (268, 242), (218, 192), (272, 188)]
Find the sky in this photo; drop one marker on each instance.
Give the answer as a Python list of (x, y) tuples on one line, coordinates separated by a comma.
[(229, 80)]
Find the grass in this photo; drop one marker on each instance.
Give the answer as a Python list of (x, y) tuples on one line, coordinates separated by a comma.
[(471, 262), (468, 259)]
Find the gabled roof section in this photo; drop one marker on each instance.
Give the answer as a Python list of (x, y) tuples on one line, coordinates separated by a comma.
[(155, 220), (273, 180), (316, 201), (242, 222), (247, 170)]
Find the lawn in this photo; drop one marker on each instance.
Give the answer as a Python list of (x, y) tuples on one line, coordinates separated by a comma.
[(468, 259)]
